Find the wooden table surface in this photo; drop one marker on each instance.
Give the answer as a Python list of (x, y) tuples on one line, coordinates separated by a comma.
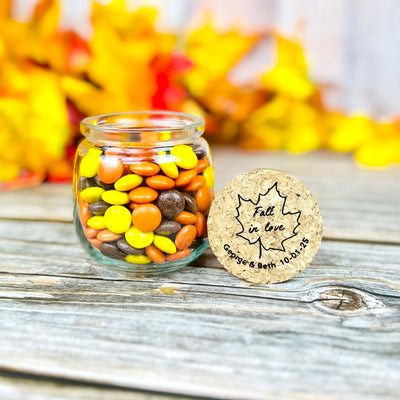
[(71, 329)]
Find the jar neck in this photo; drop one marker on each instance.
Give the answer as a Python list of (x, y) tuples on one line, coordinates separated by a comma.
[(142, 128)]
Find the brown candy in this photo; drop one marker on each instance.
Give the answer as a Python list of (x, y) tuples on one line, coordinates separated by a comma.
[(171, 203)]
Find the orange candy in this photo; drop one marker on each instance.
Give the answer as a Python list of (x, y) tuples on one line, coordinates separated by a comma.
[(185, 177), (84, 213), (110, 169), (197, 182), (143, 194), (186, 218), (146, 217), (90, 233), (160, 182), (133, 205), (178, 255), (185, 237), (155, 255), (200, 224), (145, 168), (202, 165), (107, 236), (203, 198), (95, 243)]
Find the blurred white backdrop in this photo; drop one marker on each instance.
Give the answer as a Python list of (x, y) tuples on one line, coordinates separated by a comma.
[(352, 45)]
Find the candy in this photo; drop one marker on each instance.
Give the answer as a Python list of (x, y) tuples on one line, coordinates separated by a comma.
[(110, 169), (139, 259), (168, 167), (145, 168), (111, 250), (185, 156), (139, 206), (165, 244), (196, 183), (143, 195), (185, 177), (97, 222), (90, 233), (208, 175), (160, 182), (203, 198), (200, 224), (202, 165), (124, 246), (190, 203), (95, 242), (185, 237), (132, 205), (167, 228), (146, 217), (128, 182), (155, 254), (105, 186), (84, 214), (99, 207), (115, 197), (178, 255), (107, 236), (117, 219), (83, 183), (137, 238), (171, 203), (186, 218), (90, 163), (92, 194)]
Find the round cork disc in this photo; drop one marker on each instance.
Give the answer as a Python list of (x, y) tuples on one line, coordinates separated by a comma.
[(265, 226)]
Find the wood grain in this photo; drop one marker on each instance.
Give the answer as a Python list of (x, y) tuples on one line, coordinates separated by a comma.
[(70, 328), (22, 387), (216, 336)]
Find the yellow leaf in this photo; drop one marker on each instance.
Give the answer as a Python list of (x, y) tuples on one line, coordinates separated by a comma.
[(214, 54), (289, 74), (350, 133)]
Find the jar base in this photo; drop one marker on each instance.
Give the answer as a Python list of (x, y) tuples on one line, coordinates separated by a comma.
[(136, 270)]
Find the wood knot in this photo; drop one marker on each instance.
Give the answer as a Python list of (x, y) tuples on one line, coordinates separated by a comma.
[(342, 299)]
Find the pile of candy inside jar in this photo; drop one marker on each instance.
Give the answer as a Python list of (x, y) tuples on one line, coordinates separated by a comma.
[(144, 205)]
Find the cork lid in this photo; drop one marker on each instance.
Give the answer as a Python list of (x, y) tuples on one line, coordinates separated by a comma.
[(265, 226)]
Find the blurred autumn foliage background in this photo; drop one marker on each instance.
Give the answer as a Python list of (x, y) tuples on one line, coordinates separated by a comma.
[(50, 78)]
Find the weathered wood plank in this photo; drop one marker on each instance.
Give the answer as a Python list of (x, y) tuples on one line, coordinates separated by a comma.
[(215, 336), (52, 248), (209, 343), (331, 332), (356, 204), (21, 387)]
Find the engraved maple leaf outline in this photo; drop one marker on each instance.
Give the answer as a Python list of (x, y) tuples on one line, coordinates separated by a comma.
[(240, 198)]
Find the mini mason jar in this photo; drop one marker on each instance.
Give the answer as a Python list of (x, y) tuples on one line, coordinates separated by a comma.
[(143, 185)]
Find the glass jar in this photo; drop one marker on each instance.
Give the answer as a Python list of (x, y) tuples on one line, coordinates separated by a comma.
[(143, 186)]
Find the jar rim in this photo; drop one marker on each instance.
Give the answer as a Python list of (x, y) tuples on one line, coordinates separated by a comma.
[(134, 126)]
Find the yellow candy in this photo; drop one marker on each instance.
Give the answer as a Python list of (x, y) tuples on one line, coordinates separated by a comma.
[(165, 244), (168, 167), (97, 222), (137, 259), (117, 219), (186, 157), (90, 163), (115, 197), (208, 174), (92, 194), (137, 238), (128, 182)]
